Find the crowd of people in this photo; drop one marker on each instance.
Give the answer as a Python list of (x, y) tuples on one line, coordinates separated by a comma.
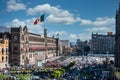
[(86, 68)]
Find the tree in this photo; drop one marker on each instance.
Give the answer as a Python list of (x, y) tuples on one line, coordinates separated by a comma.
[(79, 51), (111, 62)]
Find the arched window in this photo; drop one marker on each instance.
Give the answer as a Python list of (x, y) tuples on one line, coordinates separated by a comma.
[(6, 50), (2, 58), (22, 37), (6, 58), (2, 50)]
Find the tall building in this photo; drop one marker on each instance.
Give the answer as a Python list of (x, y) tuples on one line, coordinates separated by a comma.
[(66, 46), (117, 39), (4, 57), (81, 45), (65, 43), (30, 48), (103, 44)]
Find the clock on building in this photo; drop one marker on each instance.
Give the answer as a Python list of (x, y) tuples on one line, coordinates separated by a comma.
[(15, 37)]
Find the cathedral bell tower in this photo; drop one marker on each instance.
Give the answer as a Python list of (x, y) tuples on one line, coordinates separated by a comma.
[(117, 38), (15, 46)]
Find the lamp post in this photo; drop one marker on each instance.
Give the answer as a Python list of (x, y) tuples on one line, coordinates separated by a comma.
[(107, 54), (107, 58), (45, 36)]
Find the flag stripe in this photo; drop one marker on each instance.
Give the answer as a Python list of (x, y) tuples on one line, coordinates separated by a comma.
[(36, 21), (42, 18)]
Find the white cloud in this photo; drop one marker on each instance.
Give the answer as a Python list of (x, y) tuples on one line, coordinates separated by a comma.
[(85, 22), (73, 36), (47, 8), (104, 21), (56, 15), (61, 33), (83, 37), (100, 21), (60, 20), (99, 29), (12, 5), (30, 24)]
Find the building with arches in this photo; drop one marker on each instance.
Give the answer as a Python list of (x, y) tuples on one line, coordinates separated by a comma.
[(29, 48)]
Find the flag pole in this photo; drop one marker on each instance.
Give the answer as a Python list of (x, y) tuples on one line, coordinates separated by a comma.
[(45, 36), (44, 20)]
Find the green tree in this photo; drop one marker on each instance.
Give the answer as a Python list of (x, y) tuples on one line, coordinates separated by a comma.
[(112, 62), (53, 76)]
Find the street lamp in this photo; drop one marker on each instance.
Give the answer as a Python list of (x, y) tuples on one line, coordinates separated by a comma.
[(107, 58), (45, 36), (107, 53)]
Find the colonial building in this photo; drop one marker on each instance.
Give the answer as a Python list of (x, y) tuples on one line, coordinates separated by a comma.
[(117, 39), (103, 44), (4, 44), (30, 48)]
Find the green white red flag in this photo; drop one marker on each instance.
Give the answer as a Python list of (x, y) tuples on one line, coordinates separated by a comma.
[(41, 19)]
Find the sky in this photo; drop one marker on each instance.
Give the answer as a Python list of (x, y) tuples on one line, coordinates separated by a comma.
[(71, 19)]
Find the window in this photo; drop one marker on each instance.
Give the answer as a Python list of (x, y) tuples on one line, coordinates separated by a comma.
[(6, 50), (30, 55), (22, 37), (6, 58), (2, 58), (2, 50), (26, 38), (23, 56)]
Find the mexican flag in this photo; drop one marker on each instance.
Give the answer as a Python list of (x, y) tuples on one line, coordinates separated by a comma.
[(41, 19)]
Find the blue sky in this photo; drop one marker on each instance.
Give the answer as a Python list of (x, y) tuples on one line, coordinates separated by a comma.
[(72, 19)]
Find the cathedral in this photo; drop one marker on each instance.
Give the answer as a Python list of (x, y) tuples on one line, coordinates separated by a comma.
[(117, 39)]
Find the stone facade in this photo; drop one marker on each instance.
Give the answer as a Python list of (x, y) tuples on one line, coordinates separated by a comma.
[(4, 45), (29, 48), (103, 44)]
